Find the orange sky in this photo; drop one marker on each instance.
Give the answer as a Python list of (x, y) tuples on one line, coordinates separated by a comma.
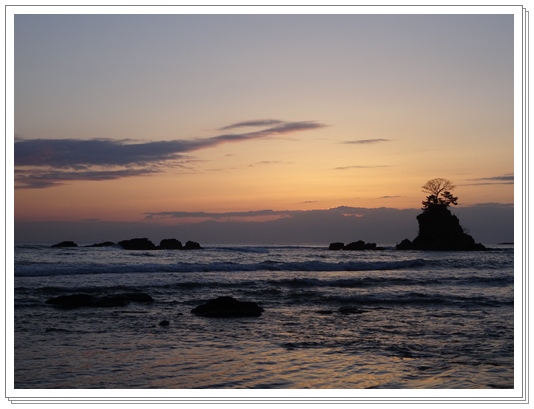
[(118, 116)]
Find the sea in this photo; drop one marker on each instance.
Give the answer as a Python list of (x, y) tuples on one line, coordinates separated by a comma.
[(383, 318)]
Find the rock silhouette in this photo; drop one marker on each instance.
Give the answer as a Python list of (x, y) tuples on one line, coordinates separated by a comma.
[(336, 246), (65, 244), (192, 245), (137, 244), (228, 307), (103, 244), (440, 230), (355, 245), (170, 244)]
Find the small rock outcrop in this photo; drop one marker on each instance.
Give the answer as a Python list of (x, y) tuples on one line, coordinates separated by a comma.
[(88, 300), (228, 307), (170, 244), (192, 245), (336, 246), (360, 245), (440, 230), (103, 244), (65, 244), (137, 244), (355, 245)]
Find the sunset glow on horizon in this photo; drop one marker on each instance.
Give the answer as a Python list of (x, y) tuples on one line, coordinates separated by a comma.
[(119, 117)]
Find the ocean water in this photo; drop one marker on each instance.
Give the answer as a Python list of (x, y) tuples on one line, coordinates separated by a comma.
[(416, 319)]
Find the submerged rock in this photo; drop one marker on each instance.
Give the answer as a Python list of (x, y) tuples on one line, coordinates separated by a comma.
[(226, 307), (350, 310), (87, 300), (65, 244)]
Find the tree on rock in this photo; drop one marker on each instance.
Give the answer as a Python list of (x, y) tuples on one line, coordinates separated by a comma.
[(439, 229), (439, 187)]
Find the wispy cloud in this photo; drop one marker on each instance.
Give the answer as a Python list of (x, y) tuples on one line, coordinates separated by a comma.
[(259, 122), (340, 210), (365, 141), (216, 216), (52, 162), (39, 179), (360, 167), (507, 179), (388, 197)]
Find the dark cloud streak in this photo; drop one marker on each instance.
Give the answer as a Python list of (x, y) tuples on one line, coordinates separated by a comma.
[(259, 122), (95, 159), (507, 179), (365, 141), (51, 178)]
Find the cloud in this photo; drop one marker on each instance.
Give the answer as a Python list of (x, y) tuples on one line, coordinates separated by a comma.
[(215, 216), (35, 179), (360, 167), (503, 178), (365, 141), (73, 153), (388, 197), (51, 162), (341, 210), (380, 225), (259, 122), (507, 179)]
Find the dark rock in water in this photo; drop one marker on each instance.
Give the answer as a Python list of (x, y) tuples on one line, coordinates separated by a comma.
[(360, 245), (192, 245), (103, 244), (137, 244), (170, 244), (87, 300), (336, 246), (137, 297), (73, 301), (349, 310), (65, 244), (405, 245), (355, 245), (440, 230), (226, 307), (164, 323)]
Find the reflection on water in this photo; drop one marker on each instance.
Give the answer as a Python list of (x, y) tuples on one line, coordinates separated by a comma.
[(429, 320)]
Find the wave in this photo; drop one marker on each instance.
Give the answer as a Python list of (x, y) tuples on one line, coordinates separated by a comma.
[(37, 270)]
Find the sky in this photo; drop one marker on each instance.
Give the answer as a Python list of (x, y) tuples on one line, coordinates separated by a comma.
[(176, 119)]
